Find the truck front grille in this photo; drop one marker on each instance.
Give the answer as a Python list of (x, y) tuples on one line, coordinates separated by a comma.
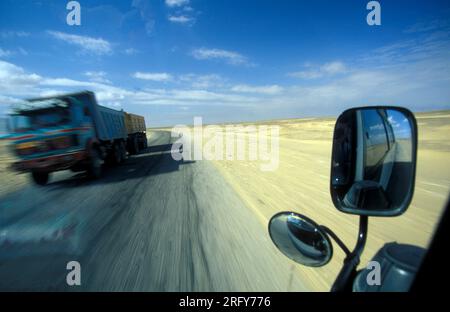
[(43, 146)]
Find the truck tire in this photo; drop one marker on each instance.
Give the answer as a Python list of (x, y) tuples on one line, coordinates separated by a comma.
[(130, 146), (95, 165), (135, 145), (123, 151), (40, 178), (117, 154), (145, 142)]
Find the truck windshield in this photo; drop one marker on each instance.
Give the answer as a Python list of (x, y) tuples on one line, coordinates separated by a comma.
[(44, 118)]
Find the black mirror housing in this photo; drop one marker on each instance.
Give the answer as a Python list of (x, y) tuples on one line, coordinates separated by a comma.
[(373, 162)]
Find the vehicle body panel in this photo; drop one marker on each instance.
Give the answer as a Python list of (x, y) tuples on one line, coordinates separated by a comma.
[(61, 146), (134, 123)]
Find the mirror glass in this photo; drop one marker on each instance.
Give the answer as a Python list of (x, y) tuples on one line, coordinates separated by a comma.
[(300, 239), (373, 161)]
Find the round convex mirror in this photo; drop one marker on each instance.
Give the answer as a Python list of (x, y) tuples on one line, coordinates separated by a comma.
[(300, 239)]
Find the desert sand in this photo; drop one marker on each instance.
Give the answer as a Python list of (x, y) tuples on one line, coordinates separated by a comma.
[(9, 180), (301, 184)]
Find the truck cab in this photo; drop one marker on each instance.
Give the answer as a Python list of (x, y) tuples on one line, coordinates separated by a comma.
[(72, 131), (49, 135)]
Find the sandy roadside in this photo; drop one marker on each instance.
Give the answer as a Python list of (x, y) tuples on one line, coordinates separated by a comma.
[(301, 183), (9, 180)]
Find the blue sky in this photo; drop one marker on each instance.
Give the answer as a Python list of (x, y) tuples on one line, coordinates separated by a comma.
[(228, 60)]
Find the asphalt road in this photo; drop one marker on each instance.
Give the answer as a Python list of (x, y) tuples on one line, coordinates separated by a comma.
[(150, 224)]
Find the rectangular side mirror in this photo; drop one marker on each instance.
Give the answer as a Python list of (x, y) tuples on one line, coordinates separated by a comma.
[(374, 161)]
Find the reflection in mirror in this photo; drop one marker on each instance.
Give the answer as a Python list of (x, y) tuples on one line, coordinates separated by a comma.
[(373, 165), (300, 239)]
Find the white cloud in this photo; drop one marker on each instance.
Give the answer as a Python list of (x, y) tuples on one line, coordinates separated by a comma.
[(163, 77), (8, 100), (181, 19), (97, 76), (176, 3), (230, 57), (14, 79), (146, 12), (325, 70), (310, 74), (95, 73), (10, 34), (426, 46), (22, 51), (87, 44), (202, 81), (411, 73), (5, 53), (201, 96), (183, 13), (66, 82), (18, 84), (427, 26), (8, 53), (272, 89), (417, 86), (333, 68), (131, 51)]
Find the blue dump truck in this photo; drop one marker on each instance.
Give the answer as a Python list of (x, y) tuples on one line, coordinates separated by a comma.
[(72, 131)]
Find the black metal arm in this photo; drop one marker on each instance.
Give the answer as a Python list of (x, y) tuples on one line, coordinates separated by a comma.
[(346, 276), (336, 239)]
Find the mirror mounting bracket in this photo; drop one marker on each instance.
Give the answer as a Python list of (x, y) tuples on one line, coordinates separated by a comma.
[(362, 236), (344, 279), (336, 239)]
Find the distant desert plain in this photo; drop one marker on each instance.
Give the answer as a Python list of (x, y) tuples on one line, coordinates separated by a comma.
[(301, 184)]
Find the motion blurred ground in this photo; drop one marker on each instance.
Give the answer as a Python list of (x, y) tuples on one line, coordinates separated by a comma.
[(301, 184)]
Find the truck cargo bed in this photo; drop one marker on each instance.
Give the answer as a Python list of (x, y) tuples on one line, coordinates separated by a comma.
[(134, 123)]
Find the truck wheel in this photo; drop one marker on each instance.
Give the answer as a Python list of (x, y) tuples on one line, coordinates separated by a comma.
[(135, 145), (40, 178), (117, 154), (123, 151), (145, 142), (95, 165)]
